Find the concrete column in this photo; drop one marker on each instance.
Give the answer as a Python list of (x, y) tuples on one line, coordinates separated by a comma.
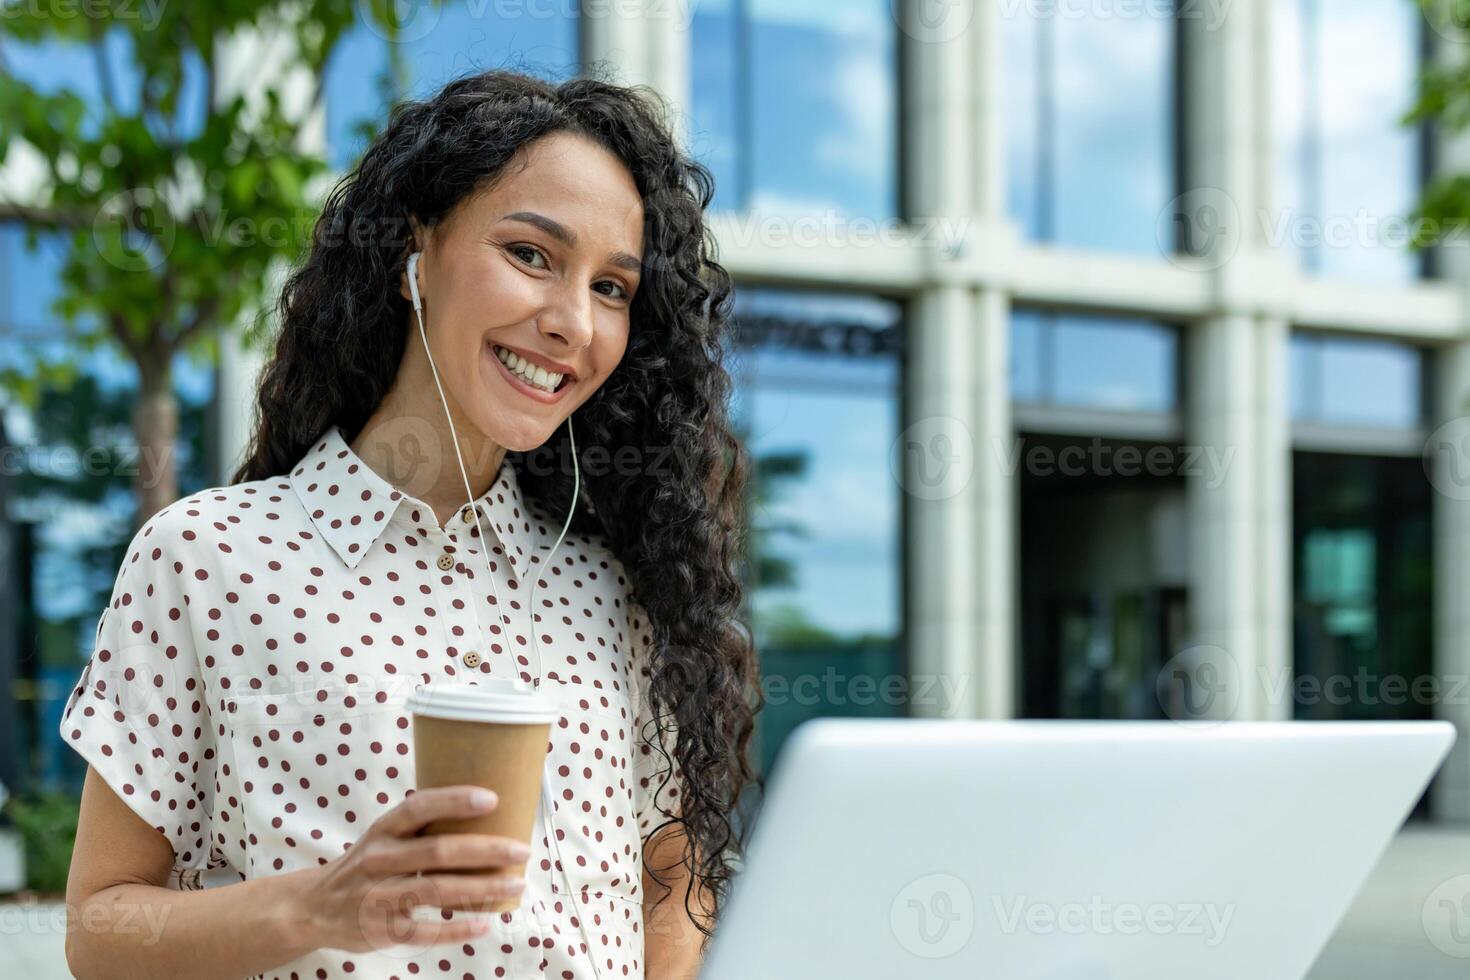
[(615, 37), (960, 541), (996, 514), (1276, 656), (1239, 512), (935, 460), (1448, 458), (1273, 525), (1223, 132), (989, 110), (940, 121), (670, 40), (1239, 500), (996, 506), (1224, 526), (1448, 454), (938, 447), (235, 380), (245, 60), (643, 43)]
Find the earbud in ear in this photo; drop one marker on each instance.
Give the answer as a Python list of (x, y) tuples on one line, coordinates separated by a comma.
[(413, 282)]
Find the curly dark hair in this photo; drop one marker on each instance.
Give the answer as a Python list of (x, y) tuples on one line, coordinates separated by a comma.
[(676, 529)]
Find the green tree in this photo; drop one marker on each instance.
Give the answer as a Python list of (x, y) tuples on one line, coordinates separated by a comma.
[(1444, 101), (177, 189)]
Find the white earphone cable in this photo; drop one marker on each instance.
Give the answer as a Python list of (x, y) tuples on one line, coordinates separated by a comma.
[(546, 804)]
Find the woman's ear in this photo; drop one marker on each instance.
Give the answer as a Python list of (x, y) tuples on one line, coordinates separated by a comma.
[(409, 247), (403, 279)]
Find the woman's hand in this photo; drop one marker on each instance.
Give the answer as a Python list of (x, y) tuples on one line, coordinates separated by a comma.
[(364, 899)]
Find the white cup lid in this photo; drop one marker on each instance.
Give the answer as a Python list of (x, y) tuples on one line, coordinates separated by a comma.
[(490, 699)]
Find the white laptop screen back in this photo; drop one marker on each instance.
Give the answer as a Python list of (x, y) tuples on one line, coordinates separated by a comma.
[(1034, 850)]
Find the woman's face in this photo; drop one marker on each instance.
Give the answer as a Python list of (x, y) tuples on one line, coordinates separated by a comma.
[(527, 287)]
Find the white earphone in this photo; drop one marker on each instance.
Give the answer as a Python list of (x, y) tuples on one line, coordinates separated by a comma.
[(546, 806), (413, 284)]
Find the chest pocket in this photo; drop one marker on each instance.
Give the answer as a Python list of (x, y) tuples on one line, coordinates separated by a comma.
[(590, 782), (316, 766)]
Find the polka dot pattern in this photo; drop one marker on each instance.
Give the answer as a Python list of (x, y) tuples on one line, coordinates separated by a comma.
[(245, 696)]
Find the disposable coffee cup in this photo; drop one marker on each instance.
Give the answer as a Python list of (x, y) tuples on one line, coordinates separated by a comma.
[(491, 733)]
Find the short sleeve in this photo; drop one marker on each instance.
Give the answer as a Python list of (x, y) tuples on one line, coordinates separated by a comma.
[(139, 713), (658, 779)]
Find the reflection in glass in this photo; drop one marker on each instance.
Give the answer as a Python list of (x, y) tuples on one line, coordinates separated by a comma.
[(1029, 358), (817, 403), (1363, 568), (1090, 155), (1353, 381), (794, 105), (1347, 172), (1094, 362), (70, 506), (438, 44)]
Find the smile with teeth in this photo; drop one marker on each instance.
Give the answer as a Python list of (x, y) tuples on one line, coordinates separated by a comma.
[(536, 377)]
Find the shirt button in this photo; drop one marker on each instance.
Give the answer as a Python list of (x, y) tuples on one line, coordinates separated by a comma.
[(471, 659), (466, 514), (446, 562)]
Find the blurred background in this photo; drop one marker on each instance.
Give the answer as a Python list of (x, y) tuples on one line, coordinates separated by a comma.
[(1100, 358)]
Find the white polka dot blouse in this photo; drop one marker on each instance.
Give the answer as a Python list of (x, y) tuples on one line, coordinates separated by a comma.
[(245, 696)]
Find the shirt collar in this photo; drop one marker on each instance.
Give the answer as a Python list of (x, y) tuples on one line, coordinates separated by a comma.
[(351, 505)]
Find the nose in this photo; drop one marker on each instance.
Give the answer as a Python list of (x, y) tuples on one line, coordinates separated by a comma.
[(567, 316)]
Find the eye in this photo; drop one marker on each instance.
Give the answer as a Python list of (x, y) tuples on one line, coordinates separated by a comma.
[(519, 250), (616, 285)]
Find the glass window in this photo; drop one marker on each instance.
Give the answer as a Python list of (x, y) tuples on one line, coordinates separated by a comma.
[(817, 402), (70, 504), (794, 105), (436, 45), (1028, 356), (1347, 172), (1094, 362), (1088, 116), (1352, 381), (1363, 581)]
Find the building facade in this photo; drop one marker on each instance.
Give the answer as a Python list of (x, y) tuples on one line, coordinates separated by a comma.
[(1084, 363)]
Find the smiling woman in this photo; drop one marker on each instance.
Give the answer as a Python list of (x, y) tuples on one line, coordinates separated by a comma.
[(244, 709), (529, 276)]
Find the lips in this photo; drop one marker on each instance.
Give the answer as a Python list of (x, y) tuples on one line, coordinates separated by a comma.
[(532, 374), (522, 380)]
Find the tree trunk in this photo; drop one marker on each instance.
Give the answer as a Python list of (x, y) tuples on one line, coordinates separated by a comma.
[(156, 428)]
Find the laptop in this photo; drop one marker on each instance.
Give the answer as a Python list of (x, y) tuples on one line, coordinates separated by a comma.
[(1043, 850)]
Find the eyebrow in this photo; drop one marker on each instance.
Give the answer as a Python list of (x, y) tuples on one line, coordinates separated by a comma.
[(568, 237)]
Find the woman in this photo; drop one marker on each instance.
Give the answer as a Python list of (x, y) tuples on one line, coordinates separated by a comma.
[(399, 520)]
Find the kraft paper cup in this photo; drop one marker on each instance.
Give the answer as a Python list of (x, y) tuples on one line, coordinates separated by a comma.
[(489, 733)]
